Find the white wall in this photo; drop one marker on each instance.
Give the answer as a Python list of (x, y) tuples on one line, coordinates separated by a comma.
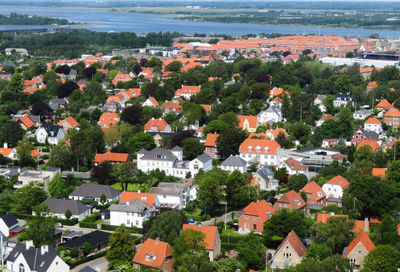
[(128, 219), (332, 190)]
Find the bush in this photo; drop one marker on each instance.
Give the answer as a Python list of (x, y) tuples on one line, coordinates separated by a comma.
[(112, 228), (87, 259), (89, 225), (92, 218), (68, 222), (233, 239), (227, 247)]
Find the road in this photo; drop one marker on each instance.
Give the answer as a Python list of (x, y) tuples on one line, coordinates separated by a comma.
[(222, 218), (100, 265)]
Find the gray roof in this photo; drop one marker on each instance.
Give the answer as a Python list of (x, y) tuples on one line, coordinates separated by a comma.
[(177, 148), (159, 154), (363, 112), (95, 191), (82, 175), (166, 191), (182, 186), (59, 206), (87, 269), (274, 109), (334, 199), (133, 206), (234, 161), (370, 135), (94, 238), (59, 101), (10, 220), (264, 172), (73, 234), (51, 129), (35, 260), (204, 158)]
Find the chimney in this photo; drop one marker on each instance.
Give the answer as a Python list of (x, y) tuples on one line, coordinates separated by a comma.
[(332, 214), (157, 240), (5, 145), (44, 249), (138, 191), (366, 224), (199, 225), (29, 244)]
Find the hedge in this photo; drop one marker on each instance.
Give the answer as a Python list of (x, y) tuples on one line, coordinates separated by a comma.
[(89, 225), (88, 258), (226, 246), (67, 222), (112, 228), (232, 239)]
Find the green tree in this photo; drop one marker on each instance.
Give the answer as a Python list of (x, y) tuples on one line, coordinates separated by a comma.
[(346, 120), (68, 214), (86, 248), (229, 141), (189, 243), (24, 155), (364, 159), (297, 182), (251, 251), (124, 173), (15, 84), (103, 199), (174, 66), (61, 156), (195, 261), (384, 258), (140, 140), (226, 265), (27, 197), (238, 192), (393, 172), (121, 246), (74, 253), (192, 148), (209, 193), (167, 226)]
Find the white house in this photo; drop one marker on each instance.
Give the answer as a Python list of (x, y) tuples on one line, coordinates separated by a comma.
[(266, 152), (341, 100), (334, 188), (294, 167), (233, 163), (171, 162), (58, 207), (50, 132), (361, 114), (27, 258), (150, 102), (7, 223), (171, 197), (373, 125), (271, 115), (94, 192)]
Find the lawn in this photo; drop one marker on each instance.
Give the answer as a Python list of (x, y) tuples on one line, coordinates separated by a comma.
[(132, 187)]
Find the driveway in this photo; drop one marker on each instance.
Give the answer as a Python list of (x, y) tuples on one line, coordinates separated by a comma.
[(100, 265), (222, 218)]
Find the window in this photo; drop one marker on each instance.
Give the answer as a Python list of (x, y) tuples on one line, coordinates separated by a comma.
[(352, 261), (21, 268), (164, 196), (254, 218), (148, 257), (246, 216), (359, 252), (254, 227), (246, 226), (287, 256)]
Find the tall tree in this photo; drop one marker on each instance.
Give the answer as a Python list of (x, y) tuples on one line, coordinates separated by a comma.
[(122, 246), (167, 226), (384, 258), (192, 148), (229, 141), (238, 192)]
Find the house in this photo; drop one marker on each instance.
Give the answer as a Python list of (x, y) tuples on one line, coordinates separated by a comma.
[(290, 200), (187, 91), (68, 123), (155, 254), (248, 123), (41, 176), (325, 117), (157, 125), (326, 143), (120, 77), (233, 163), (294, 167), (51, 133), (270, 116), (341, 100), (375, 146), (210, 145), (373, 125), (7, 152), (315, 194), (379, 172), (361, 114), (392, 118), (323, 217), (371, 85), (212, 240), (254, 216), (361, 134), (113, 158), (108, 119), (289, 252), (58, 207), (97, 239), (264, 179), (26, 258), (277, 92), (25, 122), (358, 249), (264, 151), (88, 191), (112, 106), (383, 105), (150, 102), (335, 187), (172, 195), (56, 103), (171, 106), (171, 162), (9, 225), (133, 209), (273, 133)]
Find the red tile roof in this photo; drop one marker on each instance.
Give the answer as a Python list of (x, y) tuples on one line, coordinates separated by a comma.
[(260, 208), (146, 198), (276, 132), (362, 238), (314, 189), (384, 104), (295, 242), (253, 120), (372, 120), (209, 231), (108, 119), (265, 146), (327, 117), (187, 90), (211, 139), (113, 157), (359, 225), (71, 121), (156, 251), (339, 180), (160, 124), (5, 151), (206, 107), (323, 217), (295, 165), (392, 112), (26, 121), (293, 199), (372, 143), (379, 172)]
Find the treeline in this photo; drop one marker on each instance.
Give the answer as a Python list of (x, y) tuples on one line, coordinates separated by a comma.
[(23, 19), (77, 42)]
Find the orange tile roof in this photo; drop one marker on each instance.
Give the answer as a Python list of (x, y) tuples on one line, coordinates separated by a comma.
[(392, 112), (172, 105), (379, 172), (314, 189), (359, 225), (265, 146), (113, 157), (372, 120), (209, 231), (134, 91), (5, 151), (206, 107), (278, 91), (295, 242), (276, 132), (71, 121), (327, 117), (146, 198), (362, 238), (323, 217), (35, 153), (108, 118), (293, 199), (372, 143), (372, 84), (383, 104), (153, 101), (253, 120), (392, 143), (339, 180), (211, 139), (26, 121), (260, 208), (160, 124), (295, 165), (157, 250), (187, 90)]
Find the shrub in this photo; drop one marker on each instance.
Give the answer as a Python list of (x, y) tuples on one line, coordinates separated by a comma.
[(89, 225)]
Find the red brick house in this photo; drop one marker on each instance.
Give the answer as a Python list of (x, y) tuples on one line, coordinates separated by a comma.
[(392, 117), (315, 194), (211, 145), (254, 216), (290, 200)]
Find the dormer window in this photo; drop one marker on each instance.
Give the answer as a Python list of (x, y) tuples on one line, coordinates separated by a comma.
[(250, 148), (154, 258), (148, 257), (144, 198), (266, 149), (319, 193), (258, 149), (298, 202)]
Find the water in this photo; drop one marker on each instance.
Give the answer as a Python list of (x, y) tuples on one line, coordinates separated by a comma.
[(101, 20)]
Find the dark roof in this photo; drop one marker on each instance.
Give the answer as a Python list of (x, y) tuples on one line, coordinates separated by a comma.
[(370, 135), (158, 154), (59, 101), (35, 260), (94, 238), (234, 161), (51, 129), (204, 158), (166, 191), (10, 220), (87, 269), (264, 172), (183, 186), (95, 191), (135, 206), (59, 206)]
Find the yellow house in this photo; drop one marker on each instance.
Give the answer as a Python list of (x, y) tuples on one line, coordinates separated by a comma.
[(289, 253), (358, 249)]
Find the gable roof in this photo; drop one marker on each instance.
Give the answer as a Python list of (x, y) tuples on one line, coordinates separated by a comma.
[(153, 101), (295, 165), (275, 132), (160, 124), (323, 217), (327, 117), (135, 206), (156, 252), (293, 199), (253, 120), (59, 206), (95, 191), (372, 120), (211, 139), (339, 180), (33, 256), (265, 146), (234, 161), (362, 238), (71, 121), (260, 208), (94, 238), (113, 157), (295, 242), (314, 189), (210, 233), (392, 112), (10, 220), (147, 198), (372, 143), (383, 104), (26, 121), (51, 129)]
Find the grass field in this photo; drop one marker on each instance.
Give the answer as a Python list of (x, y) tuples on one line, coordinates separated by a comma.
[(132, 187)]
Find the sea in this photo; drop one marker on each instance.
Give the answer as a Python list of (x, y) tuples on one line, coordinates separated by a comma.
[(117, 21)]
